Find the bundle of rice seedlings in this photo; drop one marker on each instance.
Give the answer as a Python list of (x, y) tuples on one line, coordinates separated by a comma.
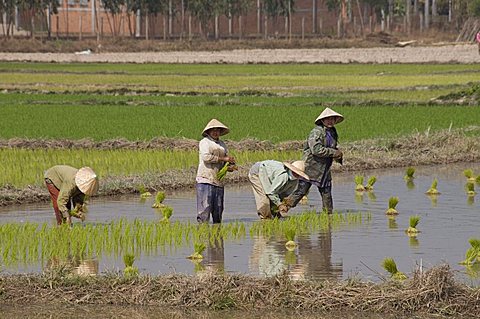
[(159, 198), (290, 235), (468, 173), (228, 167), (392, 203), (167, 212), (359, 183), (473, 253), (370, 183), (470, 189), (409, 174), (412, 229), (389, 265), (129, 270), (198, 250), (143, 192), (79, 211), (433, 188)]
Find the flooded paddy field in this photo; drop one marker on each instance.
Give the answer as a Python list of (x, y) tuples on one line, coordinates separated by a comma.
[(447, 222)]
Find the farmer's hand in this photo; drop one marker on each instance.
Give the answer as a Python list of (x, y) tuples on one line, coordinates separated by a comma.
[(232, 167), (283, 209), (338, 154), (229, 159), (68, 220)]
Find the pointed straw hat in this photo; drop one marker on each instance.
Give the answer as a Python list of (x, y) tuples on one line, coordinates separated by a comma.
[(298, 167), (328, 112), (214, 123), (86, 181)]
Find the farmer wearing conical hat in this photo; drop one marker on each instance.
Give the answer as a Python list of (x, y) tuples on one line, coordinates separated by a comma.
[(271, 182), (319, 152), (213, 155), (67, 187)]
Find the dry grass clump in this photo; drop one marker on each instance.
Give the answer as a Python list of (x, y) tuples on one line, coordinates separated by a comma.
[(434, 291)]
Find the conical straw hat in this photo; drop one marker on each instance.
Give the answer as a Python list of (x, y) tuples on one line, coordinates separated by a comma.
[(214, 123), (298, 167), (328, 112), (86, 181)]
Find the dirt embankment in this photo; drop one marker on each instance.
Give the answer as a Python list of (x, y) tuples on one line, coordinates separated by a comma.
[(446, 53), (417, 149)]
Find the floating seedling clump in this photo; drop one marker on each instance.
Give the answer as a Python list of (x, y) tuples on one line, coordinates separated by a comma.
[(359, 183), (129, 270), (290, 236), (389, 265), (472, 255), (371, 181), (409, 174), (412, 229), (392, 204), (468, 173), (159, 198), (198, 250), (167, 212), (433, 188), (470, 189), (144, 193)]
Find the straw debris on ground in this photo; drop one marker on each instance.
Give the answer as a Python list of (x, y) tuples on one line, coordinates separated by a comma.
[(422, 148), (431, 292)]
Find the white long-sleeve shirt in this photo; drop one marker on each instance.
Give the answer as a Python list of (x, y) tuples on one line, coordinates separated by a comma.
[(210, 152)]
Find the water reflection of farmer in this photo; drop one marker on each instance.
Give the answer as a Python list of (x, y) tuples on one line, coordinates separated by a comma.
[(215, 256), (67, 187), (319, 152), (271, 182), (212, 157)]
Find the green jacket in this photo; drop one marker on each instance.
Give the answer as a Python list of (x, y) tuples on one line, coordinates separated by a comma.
[(63, 177), (316, 155)]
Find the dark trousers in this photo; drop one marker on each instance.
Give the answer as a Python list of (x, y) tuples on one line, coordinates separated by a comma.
[(209, 202), (53, 190), (302, 190)]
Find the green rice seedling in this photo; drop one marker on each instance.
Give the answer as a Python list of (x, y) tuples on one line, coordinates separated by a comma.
[(477, 180), (290, 236), (470, 189), (167, 212), (129, 270), (370, 183), (198, 250), (159, 198), (409, 174), (468, 173), (392, 204), (359, 183), (389, 265), (412, 230), (433, 188), (228, 167), (143, 192), (473, 253), (79, 211)]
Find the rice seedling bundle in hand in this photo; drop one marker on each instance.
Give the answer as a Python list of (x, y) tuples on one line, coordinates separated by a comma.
[(198, 250), (473, 253), (433, 188), (412, 229), (389, 265), (159, 198), (79, 211), (228, 167), (409, 174), (359, 183), (392, 204), (129, 270), (371, 181)]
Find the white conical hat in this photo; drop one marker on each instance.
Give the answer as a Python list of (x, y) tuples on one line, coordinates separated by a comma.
[(328, 112), (298, 167), (214, 123), (86, 181)]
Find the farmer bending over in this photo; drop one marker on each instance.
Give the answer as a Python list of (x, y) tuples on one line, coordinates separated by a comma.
[(319, 151), (271, 182), (212, 158), (68, 187)]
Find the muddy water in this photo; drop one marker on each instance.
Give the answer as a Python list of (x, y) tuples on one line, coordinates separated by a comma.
[(447, 222)]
